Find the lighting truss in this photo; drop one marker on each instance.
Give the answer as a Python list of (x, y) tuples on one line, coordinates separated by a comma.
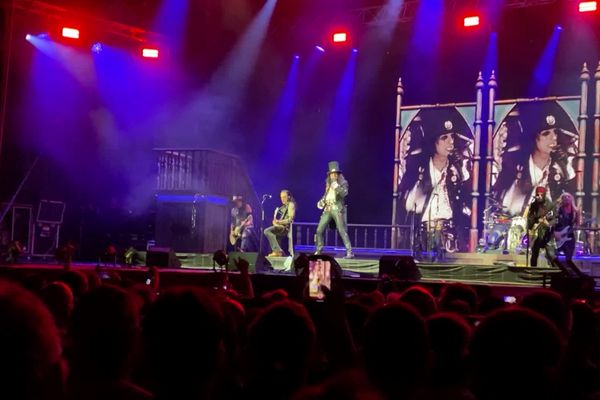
[(371, 15), (102, 26)]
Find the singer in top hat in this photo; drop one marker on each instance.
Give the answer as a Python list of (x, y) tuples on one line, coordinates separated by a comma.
[(545, 158), (333, 204), (435, 187)]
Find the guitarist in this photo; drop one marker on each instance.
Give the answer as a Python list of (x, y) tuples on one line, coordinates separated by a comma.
[(540, 220), (282, 222), (241, 235), (567, 217)]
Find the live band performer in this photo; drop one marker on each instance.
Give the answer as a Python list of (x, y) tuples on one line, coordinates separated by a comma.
[(567, 217), (282, 222), (334, 208), (332, 203), (241, 234), (540, 221), (551, 226)]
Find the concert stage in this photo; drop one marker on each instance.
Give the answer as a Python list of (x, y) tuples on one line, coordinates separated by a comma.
[(499, 274), (353, 282), (470, 268)]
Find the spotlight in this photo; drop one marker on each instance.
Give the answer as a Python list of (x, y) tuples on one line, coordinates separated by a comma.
[(71, 33), (296, 57), (588, 6), (558, 28), (355, 51), (470, 21), (97, 48), (28, 37), (149, 53), (321, 49), (340, 37)]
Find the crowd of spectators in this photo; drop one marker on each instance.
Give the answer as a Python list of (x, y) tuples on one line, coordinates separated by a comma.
[(82, 337)]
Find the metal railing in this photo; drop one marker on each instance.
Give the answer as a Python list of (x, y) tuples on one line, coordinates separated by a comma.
[(361, 235)]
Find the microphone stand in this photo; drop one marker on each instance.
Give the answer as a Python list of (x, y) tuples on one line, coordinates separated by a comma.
[(430, 228), (262, 221), (413, 232), (527, 251)]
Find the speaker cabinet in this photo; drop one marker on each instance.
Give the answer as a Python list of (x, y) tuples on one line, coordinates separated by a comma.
[(45, 239), (399, 267), (191, 224), (162, 257)]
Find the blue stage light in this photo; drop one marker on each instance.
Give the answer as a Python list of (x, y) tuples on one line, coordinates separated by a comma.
[(97, 48)]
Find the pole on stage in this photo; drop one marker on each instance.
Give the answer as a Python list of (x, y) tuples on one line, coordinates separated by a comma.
[(262, 222), (397, 161), (527, 251)]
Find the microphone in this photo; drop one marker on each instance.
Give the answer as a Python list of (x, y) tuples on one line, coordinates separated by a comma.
[(463, 137)]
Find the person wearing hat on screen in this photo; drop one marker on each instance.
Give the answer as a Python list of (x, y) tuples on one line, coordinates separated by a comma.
[(546, 161), (241, 235), (434, 186), (540, 221), (333, 205)]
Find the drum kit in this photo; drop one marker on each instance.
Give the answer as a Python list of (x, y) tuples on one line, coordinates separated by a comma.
[(439, 234), (503, 231), (509, 233)]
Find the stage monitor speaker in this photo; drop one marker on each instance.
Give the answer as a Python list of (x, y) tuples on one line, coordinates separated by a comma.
[(399, 267), (162, 257), (257, 262)]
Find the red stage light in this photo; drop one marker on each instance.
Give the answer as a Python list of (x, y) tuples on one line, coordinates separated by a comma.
[(588, 6), (71, 33), (149, 53), (472, 20), (340, 37)]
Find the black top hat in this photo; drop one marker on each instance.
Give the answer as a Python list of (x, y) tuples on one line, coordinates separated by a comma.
[(438, 122), (333, 166), (538, 117)]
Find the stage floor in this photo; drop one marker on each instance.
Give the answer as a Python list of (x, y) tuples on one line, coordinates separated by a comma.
[(471, 268)]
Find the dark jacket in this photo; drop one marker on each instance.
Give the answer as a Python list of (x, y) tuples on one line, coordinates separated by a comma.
[(340, 194), (541, 210)]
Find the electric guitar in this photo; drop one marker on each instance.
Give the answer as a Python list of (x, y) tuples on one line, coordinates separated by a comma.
[(236, 232), (561, 237), (544, 221), (234, 235)]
